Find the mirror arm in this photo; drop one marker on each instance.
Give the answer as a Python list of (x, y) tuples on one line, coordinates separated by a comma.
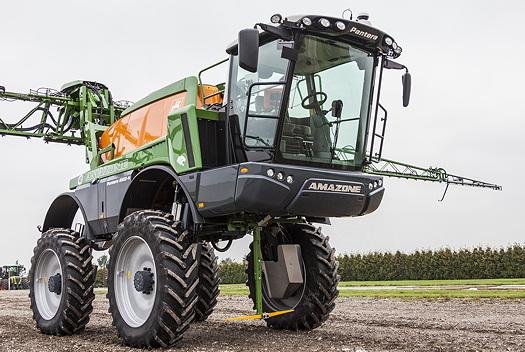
[(281, 33)]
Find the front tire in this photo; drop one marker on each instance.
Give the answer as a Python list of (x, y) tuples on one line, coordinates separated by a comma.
[(313, 301), (152, 279), (61, 282)]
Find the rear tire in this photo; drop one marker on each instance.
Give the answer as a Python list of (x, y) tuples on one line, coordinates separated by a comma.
[(315, 298), (209, 281), (61, 282), (152, 279)]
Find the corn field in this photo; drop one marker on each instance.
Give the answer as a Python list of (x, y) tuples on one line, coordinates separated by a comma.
[(441, 264)]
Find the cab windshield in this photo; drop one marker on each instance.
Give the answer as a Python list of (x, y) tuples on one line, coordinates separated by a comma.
[(327, 114), (324, 120)]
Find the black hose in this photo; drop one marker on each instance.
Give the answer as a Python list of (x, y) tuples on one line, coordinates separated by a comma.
[(224, 249)]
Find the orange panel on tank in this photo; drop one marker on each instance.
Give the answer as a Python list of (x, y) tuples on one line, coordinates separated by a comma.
[(141, 126)]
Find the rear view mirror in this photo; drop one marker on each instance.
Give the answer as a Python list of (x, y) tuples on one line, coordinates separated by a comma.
[(337, 108), (249, 49), (406, 80)]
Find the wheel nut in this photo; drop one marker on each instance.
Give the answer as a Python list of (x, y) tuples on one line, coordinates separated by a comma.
[(143, 281), (54, 284)]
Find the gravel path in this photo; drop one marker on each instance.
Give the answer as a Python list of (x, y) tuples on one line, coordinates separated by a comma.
[(357, 324)]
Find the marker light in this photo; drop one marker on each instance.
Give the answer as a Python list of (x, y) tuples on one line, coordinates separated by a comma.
[(244, 170), (324, 22), (276, 18), (398, 50), (307, 21), (290, 179), (340, 25), (270, 172)]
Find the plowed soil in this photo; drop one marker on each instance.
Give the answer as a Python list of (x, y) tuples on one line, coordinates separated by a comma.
[(357, 324)]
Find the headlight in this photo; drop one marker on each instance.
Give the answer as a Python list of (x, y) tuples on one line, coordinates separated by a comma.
[(307, 21), (276, 18), (270, 172), (324, 22), (340, 25)]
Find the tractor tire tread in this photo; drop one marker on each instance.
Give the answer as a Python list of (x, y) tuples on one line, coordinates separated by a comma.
[(209, 280), (321, 281), (177, 285), (77, 301)]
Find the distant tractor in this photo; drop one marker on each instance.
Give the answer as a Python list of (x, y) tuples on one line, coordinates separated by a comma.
[(14, 277), (294, 137)]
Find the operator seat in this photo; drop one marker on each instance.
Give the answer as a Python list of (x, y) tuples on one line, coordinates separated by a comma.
[(321, 137)]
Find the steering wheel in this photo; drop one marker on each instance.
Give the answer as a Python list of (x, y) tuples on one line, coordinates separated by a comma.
[(316, 102)]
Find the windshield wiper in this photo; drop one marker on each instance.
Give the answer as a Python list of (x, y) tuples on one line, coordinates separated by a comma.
[(258, 139)]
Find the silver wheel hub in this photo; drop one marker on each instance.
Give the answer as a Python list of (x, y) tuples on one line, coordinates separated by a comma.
[(47, 300), (134, 283)]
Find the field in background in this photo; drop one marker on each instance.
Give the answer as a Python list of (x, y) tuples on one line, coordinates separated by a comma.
[(424, 289)]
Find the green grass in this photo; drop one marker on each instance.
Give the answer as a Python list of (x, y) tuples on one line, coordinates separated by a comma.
[(235, 290), (415, 293), (435, 282), (433, 293), (240, 289)]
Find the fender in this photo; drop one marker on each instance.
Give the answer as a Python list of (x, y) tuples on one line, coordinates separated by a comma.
[(166, 170), (62, 212)]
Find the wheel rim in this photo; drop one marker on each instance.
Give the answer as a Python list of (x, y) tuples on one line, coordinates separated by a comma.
[(47, 302), (135, 307)]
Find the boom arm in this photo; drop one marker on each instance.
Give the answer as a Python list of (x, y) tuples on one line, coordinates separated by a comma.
[(82, 106), (47, 128), (396, 169)]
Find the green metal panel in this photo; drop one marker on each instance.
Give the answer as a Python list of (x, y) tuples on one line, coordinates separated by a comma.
[(257, 269), (183, 137), (153, 153), (172, 149)]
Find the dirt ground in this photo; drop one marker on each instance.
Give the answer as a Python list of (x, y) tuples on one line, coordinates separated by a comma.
[(357, 324)]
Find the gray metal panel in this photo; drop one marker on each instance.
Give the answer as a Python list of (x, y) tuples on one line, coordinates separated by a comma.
[(284, 276), (88, 196), (216, 191), (326, 197), (115, 191), (257, 193)]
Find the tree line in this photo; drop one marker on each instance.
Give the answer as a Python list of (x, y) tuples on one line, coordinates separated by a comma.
[(441, 264)]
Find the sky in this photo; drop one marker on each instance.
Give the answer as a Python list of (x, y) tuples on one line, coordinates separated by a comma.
[(465, 114)]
